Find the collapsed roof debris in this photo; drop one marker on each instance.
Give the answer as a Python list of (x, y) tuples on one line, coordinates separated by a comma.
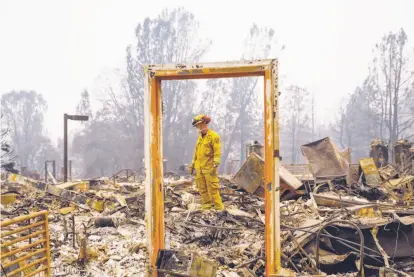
[(97, 227), (325, 160)]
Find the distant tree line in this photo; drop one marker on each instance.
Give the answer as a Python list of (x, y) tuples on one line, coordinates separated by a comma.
[(7, 159), (113, 138), (24, 141), (383, 106)]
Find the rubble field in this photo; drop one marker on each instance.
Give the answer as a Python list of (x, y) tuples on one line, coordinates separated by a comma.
[(97, 227)]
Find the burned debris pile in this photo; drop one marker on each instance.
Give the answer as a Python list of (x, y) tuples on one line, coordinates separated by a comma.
[(96, 227), (337, 219), (361, 217)]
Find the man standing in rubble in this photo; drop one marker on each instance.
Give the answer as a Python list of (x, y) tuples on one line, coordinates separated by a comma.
[(206, 160)]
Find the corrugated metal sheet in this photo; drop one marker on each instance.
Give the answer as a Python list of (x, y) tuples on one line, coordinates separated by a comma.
[(326, 161), (300, 171)]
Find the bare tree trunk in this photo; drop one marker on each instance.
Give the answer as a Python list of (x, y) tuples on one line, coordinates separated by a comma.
[(226, 152), (313, 117), (388, 79), (395, 117), (242, 150), (293, 140), (396, 95)]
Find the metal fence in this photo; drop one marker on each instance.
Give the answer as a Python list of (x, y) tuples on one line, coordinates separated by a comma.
[(25, 245)]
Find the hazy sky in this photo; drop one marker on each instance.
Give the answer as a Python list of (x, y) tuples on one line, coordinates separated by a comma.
[(58, 48)]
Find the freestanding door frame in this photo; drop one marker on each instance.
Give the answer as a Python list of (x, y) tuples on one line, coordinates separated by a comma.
[(154, 199)]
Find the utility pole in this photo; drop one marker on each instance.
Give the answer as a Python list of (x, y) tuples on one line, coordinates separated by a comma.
[(65, 148), (70, 170), (67, 117), (313, 117)]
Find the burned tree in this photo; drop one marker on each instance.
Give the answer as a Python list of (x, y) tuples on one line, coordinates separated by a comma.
[(381, 108), (7, 157), (24, 112), (239, 116), (296, 113), (393, 86)]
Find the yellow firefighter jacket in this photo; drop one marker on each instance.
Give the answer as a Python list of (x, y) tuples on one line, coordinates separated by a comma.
[(207, 151)]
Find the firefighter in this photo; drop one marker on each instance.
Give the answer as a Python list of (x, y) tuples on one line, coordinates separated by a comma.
[(205, 162)]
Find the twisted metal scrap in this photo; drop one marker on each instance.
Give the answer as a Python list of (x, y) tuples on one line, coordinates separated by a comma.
[(361, 237)]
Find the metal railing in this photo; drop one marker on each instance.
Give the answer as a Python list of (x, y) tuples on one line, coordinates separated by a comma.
[(128, 174), (25, 247)]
